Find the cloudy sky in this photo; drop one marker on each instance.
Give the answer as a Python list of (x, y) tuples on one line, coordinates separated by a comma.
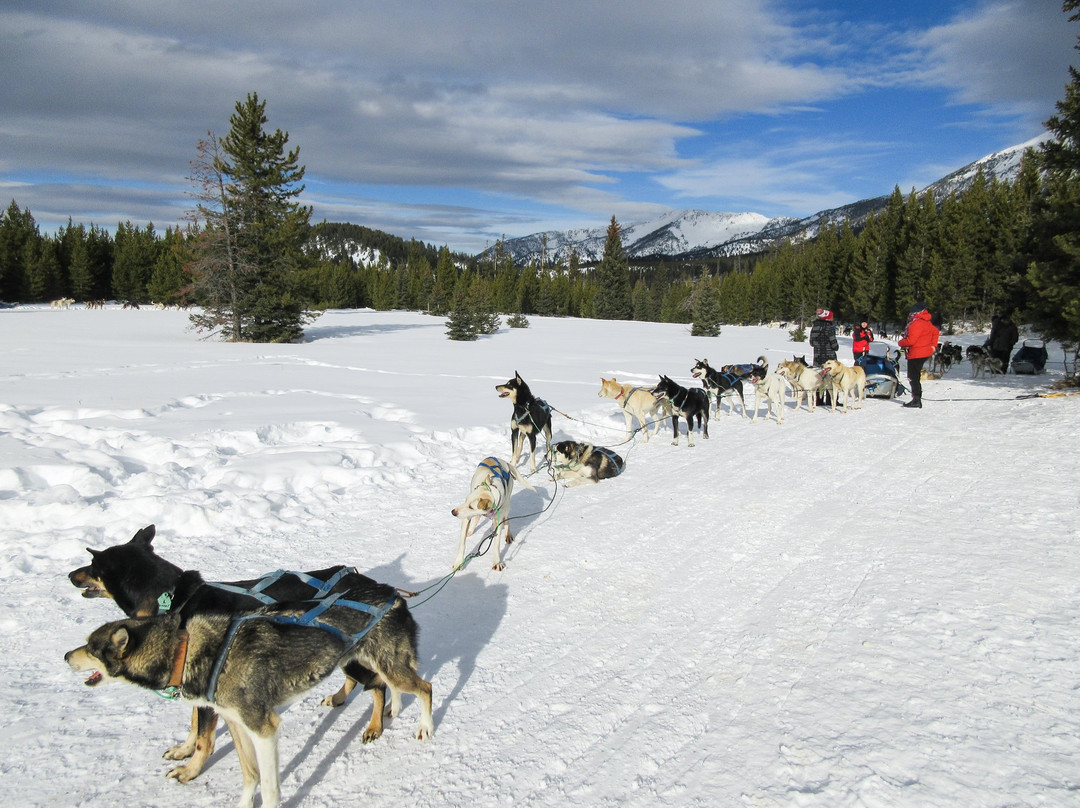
[(458, 123)]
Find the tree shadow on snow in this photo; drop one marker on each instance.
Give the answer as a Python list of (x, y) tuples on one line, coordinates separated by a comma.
[(316, 334)]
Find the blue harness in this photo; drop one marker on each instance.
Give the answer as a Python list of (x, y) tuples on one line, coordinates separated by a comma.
[(308, 618), (615, 459), (499, 471)]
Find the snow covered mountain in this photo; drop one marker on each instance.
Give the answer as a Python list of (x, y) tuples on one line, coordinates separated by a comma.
[(690, 234)]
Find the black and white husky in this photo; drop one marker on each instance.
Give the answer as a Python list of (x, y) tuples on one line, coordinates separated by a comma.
[(720, 383), (531, 417), (581, 463), (689, 403)]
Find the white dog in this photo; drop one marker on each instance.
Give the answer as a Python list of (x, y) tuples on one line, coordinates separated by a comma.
[(804, 381), (489, 495), (848, 381), (771, 387)]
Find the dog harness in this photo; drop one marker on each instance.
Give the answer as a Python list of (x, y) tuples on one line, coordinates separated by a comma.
[(309, 618), (527, 415), (629, 393), (615, 459), (499, 471), (322, 588)]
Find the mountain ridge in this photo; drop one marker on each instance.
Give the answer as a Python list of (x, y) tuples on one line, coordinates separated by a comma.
[(699, 234)]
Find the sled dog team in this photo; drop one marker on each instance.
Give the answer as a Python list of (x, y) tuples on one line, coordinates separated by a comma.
[(242, 649)]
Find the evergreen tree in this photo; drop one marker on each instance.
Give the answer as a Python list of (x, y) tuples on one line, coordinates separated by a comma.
[(251, 247), (168, 279), (613, 299), (1054, 276), (706, 309), (17, 230), (133, 262)]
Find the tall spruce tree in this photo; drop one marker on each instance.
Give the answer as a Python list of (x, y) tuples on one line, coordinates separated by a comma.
[(613, 294), (1054, 275), (249, 251)]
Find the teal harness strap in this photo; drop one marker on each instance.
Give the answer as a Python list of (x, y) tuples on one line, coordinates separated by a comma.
[(309, 618)]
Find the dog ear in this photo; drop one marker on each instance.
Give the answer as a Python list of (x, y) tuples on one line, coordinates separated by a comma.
[(120, 639), (144, 536), (93, 553)]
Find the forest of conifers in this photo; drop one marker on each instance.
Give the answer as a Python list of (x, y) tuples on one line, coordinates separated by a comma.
[(966, 256)]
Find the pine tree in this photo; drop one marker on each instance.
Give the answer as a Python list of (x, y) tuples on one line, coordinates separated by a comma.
[(17, 230), (613, 298), (1054, 275), (706, 310), (251, 246)]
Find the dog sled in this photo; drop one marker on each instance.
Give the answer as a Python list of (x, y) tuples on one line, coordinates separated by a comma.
[(882, 380), (1031, 358)]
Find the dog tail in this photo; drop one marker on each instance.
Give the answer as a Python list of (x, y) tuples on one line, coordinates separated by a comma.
[(517, 476)]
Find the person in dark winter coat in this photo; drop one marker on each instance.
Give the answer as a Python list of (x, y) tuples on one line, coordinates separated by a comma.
[(1003, 336), (823, 338), (919, 343), (861, 338)]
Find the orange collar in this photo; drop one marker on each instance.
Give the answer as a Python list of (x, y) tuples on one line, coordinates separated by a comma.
[(177, 677)]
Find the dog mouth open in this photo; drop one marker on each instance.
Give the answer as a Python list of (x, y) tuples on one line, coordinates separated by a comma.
[(93, 590), (94, 679)]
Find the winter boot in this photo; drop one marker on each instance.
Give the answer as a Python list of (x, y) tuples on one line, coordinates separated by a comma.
[(915, 402)]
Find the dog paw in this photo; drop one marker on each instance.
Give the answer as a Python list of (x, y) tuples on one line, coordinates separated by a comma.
[(183, 774), (179, 752), (423, 732), (499, 566), (332, 701), (371, 734)]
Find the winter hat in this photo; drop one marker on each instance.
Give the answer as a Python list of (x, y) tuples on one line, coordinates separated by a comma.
[(917, 308), (824, 314)]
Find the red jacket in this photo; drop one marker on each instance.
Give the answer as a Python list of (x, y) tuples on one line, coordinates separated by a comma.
[(861, 339), (921, 337)]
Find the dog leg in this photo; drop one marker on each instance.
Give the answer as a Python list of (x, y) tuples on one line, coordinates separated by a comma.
[(675, 424), (690, 430), (266, 758), (499, 530), (249, 767), (198, 746), (187, 748), (378, 706), (517, 443), (337, 699), (467, 527), (404, 679)]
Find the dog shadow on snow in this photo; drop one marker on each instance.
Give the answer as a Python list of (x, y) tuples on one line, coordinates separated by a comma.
[(455, 625)]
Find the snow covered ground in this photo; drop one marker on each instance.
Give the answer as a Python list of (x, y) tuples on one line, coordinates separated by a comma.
[(872, 609)]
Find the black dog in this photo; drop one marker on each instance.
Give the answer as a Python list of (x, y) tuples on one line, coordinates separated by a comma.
[(144, 584), (687, 403), (531, 417), (719, 383)]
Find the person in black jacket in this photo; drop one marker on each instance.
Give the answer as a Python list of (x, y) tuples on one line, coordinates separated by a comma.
[(1003, 336), (823, 338)]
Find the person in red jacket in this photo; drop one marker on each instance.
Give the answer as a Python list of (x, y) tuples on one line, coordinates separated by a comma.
[(919, 343), (861, 338)]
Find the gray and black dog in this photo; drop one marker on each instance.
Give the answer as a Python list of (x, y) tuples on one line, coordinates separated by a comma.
[(144, 584), (246, 665)]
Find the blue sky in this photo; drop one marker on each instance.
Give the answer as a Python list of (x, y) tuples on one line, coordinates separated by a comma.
[(461, 123)]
